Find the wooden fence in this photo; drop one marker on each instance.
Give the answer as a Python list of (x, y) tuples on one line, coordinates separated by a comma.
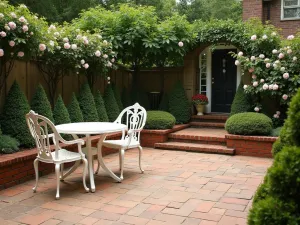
[(28, 77)]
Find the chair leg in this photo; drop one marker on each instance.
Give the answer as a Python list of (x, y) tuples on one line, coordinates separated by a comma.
[(36, 169), (122, 152), (85, 170), (120, 160), (62, 171), (93, 159), (140, 158), (98, 165), (57, 172)]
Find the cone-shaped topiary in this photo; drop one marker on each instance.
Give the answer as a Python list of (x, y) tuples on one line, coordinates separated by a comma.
[(117, 97), (60, 112), (87, 104), (241, 102), (179, 105), (111, 105), (101, 107), (13, 120), (164, 103), (126, 98), (294, 118), (74, 110), (40, 103)]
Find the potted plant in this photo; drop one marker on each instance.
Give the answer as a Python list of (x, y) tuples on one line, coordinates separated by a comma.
[(199, 101)]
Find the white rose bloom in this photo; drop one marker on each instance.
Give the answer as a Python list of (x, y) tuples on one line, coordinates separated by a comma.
[(65, 40), (274, 51), (262, 80), (51, 43), (265, 37), (245, 86), (253, 58), (82, 61), (275, 87), (282, 69), (262, 56), (240, 54), (74, 46), (289, 51), (255, 84), (98, 53), (274, 34), (237, 62), (294, 58), (271, 87), (256, 109), (265, 86), (1, 15)]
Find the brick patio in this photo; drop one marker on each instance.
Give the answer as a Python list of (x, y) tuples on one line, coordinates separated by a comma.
[(177, 188)]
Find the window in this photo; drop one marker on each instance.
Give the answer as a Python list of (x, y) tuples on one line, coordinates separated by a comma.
[(290, 9), (203, 72)]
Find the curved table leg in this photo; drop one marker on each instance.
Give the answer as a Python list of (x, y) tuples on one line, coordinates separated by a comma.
[(71, 170), (90, 162), (106, 169)]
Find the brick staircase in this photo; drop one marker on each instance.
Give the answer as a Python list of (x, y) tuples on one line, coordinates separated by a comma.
[(206, 134)]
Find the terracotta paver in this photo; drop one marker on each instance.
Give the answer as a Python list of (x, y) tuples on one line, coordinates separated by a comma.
[(177, 188)]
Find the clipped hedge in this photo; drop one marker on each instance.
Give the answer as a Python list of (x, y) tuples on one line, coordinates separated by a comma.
[(118, 97), (13, 122), (100, 106), (241, 102), (159, 120), (8, 144), (40, 103), (249, 123), (179, 105), (87, 104), (111, 105), (74, 110), (164, 103)]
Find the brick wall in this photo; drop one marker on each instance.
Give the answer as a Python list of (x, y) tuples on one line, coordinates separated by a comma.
[(255, 8)]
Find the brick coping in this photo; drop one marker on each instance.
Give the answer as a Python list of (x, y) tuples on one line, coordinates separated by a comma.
[(162, 132), (26, 154), (251, 138)]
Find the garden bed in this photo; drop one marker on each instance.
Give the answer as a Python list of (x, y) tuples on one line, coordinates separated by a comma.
[(259, 146)]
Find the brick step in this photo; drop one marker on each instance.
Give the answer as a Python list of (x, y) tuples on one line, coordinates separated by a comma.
[(197, 137), (210, 118), (207, 142), (208, 124), (205, 148)]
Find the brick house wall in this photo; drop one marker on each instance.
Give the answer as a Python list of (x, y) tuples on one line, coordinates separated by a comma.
[(259, 9)]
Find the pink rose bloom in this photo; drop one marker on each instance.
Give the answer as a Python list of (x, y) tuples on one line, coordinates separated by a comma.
[(12, 25), (268, 65), (271, 87), (20, 54), (1, 52), (285, 97), (253, 37), (290, 37), (251, 70), (275, 87), (86, 66), (22, 19), (254, 76), (255, 84), (180, 44), (262, 80), (280, 56), (31, 33), (86, 41), (11, 43), (13, 15), (256, 109), (278, 112), (42, 47), (25, 28), (65, 40), (2, 34), (276, 116), (98, 53), (67, 46), (286, 75)]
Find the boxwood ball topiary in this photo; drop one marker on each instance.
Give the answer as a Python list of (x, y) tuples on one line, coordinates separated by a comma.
[(87, 104), (118, 97), (74, 110), (8, 144), (249, 123), (60, 112), (102, 114), (40, 103), (241, 102), (13, 122), (111, 105), (179, 105), (159, 120)]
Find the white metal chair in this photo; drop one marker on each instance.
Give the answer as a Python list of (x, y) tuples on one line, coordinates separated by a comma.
[(39, 128), (135, 118)]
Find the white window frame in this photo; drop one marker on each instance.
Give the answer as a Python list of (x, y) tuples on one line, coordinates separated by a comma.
[(288, 7)]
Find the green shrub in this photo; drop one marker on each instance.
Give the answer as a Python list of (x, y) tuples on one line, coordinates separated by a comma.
[(273, 211), (276, 132), (87, 104), (285, 138), (117, 97), (13, 122), (159, 120), (111, 105), (40, 103), (164, 103), (74, 110), (100, 107), (241, 102), (8, 144), (262, 192), (126, 98), (60, 112), (294, 118), (277, 147), (179, 105), (249, 123)]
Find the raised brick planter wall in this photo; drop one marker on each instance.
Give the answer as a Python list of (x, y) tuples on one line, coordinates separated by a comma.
[(258, 146), (150, 137), (18, 167)]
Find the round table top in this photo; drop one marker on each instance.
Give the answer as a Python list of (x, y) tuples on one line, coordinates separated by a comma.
[(90, 128)]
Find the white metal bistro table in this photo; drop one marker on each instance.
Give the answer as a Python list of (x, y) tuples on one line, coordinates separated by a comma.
[(87, 129)]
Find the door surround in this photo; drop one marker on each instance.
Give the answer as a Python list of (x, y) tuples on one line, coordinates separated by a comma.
[(205, 66)]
